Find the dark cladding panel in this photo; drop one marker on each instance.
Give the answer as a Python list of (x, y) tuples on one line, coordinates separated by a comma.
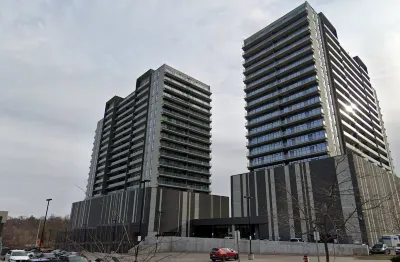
[(130, 204), (94, 213), (261, 193), (295, 200), (323, 177), (224, 207), (252, 193), (170, 207), (281, 203), (204, 206), (192, 204), (157, 215), (216, 207)]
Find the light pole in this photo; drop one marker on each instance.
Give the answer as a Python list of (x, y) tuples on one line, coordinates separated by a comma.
[(143, 182), (251, 255), (159, 212), (44, 222)]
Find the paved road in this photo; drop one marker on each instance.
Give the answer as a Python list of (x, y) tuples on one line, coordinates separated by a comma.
[(204, 257)]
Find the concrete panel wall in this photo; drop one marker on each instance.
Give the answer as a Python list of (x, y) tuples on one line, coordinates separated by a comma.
[(177, 244)]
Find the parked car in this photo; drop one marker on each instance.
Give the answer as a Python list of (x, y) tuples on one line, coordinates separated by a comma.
[(380, 249), (38, 260), (16, 255), (223, 254), (296, 240), (397, 249)]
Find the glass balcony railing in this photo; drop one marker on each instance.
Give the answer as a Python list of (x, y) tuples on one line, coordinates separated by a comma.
[(283, 100), (275, 54), (184, 176), (273, 26), (185, 141), (271, 47), (187, 103), (205, 124), (204, 163), (273, 84), (285, 30), (282, 90), (183, 185), (185, 167), (182, 124), (296, 63)]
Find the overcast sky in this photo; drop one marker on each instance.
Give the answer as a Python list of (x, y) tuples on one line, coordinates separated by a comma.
[(60, 61)]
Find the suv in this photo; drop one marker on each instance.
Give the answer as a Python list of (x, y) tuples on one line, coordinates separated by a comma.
[(223, 254), (380, 249)]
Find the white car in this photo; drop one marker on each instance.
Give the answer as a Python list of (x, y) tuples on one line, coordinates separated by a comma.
[(16, 255)]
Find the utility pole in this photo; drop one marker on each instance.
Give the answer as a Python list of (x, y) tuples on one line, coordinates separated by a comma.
[(251, 255), (44, 222)]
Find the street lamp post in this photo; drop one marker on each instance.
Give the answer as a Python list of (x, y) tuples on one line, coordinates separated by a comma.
[(44, 222), (142, 207), (251, 255)]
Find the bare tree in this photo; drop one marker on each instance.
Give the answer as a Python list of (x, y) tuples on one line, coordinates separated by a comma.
[(334, 203)]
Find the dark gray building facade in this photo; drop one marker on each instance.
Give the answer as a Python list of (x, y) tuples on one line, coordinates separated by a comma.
[(116, 217), (306, 97), (161, 132), (360, 199)]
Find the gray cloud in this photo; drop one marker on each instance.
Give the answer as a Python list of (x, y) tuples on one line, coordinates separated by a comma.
[(60, 61)]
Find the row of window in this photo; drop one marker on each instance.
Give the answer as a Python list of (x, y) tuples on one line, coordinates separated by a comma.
[(313, 112), (285, 110), (289, 142), (322, 147), (283, 69), (266, 148), (284, 89), (268, 159), (270, 57), (305, 126), (273, 46), (302, 104), (305, 138), (266, 137), (284, 99), (302, 71)]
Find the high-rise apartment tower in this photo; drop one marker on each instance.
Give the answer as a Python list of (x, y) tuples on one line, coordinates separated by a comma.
[(161, 132), (306, 97)]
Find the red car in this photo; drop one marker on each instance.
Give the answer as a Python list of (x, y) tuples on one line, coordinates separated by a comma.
[(223, 254)]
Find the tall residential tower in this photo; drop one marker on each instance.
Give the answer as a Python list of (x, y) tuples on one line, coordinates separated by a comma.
[(306, 97), (161, 132)]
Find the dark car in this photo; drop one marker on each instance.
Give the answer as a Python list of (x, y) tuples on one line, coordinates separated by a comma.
[(73, 258), (223, 254), (380, 249), (38, 260)]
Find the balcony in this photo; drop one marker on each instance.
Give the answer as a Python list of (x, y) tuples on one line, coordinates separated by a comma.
[(186, 103), (181, 149), (185, 95), (186, 159), (185, 118), (182, 124), (272, 38), (183, 176), (185, 87), (275, 73), (273, 56), (187, 79), (301, 32), (184, 185), (269, 86), (186, 110), (273, 26), (184, 167), (186, 142)]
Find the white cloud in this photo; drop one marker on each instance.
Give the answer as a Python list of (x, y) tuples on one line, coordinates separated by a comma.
[(60, 61)]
